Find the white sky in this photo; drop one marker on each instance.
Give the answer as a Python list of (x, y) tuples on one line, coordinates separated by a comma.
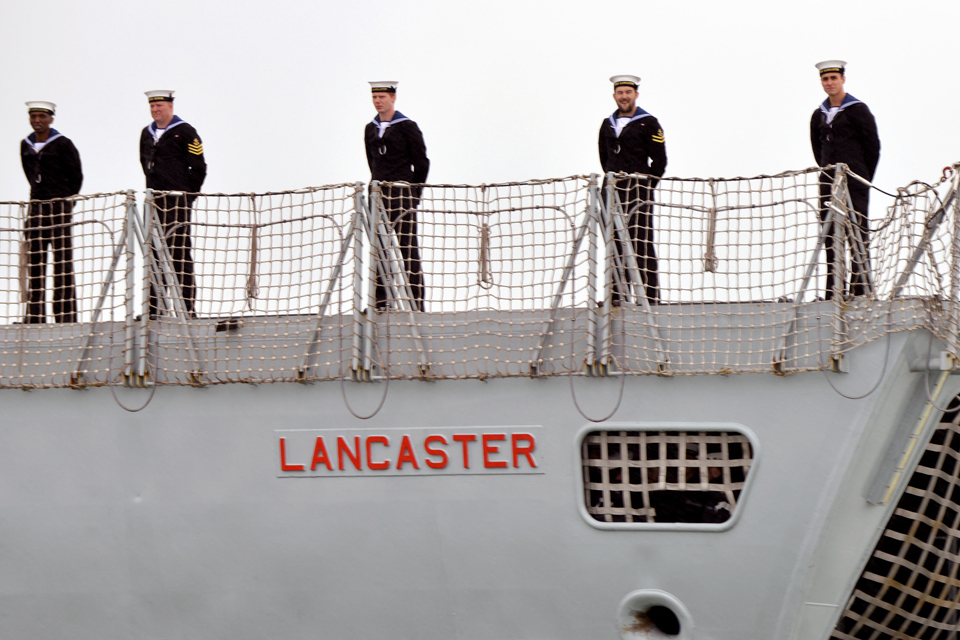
[(503, 90)]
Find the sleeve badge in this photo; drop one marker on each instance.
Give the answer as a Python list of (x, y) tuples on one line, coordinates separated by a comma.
[(195, 147), (658, 137)]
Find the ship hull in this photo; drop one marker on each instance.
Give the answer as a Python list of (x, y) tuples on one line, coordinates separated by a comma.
[(183, 520)]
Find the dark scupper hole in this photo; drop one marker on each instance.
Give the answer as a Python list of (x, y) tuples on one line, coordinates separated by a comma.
[(664, 619)]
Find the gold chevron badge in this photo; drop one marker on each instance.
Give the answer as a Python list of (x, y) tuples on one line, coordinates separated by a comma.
[(658, 137), (195, 147)]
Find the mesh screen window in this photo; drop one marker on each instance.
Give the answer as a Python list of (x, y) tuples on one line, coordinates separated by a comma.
[(691, 477)]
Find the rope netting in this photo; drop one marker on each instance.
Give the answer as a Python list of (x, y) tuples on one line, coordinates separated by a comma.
[(252, 287), (910, 587), (504, 279), (598, 275), (738, 278), (62, 294)]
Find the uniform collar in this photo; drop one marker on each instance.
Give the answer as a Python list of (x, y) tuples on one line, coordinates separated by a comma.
[(636, 116), (848, 101), (153, 126), (397, 117), (32, 138)]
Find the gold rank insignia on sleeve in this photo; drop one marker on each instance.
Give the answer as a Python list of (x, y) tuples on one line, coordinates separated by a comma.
[(195, 147), (658, 137)]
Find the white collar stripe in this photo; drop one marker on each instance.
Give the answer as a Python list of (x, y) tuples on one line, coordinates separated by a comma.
[(173, 123), (637, 116), (56, 134), (377, 122), (848, 101)]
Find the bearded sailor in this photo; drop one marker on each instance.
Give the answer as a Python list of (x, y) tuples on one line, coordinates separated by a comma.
[(171, 154), (52, 166), (632, 142), (843, 130), (396, 153)]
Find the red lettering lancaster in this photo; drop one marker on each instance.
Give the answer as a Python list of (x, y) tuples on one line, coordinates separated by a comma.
[(331, 453)]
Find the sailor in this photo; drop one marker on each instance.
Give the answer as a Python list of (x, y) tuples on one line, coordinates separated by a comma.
[(52, 166), (631, 141), (396, 153), (843, 130), (171, 154)]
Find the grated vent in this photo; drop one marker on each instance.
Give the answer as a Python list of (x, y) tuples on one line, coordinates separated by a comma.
[(664, 476)]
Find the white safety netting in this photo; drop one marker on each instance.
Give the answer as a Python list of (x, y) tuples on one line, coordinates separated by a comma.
[(598, 275), (910, 587), (63, 266), (505, 270), (254, 287), (743, 274)]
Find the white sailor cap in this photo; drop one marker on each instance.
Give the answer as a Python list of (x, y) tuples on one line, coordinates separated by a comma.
[(160, 95), (832, 66), (44, 107), (384, 86), (625, 81)]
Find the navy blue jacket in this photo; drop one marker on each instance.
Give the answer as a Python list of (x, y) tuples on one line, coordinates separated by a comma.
[(639, 149), (54, 171), (400, 155), (850, 138), (175, 162)]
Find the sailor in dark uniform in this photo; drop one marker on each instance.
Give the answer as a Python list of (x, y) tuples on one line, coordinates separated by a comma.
[(842, 129), (171, 154), (52, 166), (631, 141), (396, 153)]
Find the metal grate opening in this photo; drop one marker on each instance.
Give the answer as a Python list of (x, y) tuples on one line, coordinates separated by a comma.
[(664, 476), (910, 587)]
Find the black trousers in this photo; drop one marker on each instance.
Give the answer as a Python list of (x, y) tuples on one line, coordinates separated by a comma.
[(174, 215), (48, 224), (860, 229), (637, 203), (400, 203)]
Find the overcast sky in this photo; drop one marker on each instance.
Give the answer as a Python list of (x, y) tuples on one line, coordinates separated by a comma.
[(503, 89)]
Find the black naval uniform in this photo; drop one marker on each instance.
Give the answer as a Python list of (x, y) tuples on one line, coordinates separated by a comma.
[(174, 162), (400, 155), (639, 148), (54, 171), (850, 137)]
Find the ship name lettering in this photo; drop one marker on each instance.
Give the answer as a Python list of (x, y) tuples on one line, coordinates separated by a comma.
[(497, 450)]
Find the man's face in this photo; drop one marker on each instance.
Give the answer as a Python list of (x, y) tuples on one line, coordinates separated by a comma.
[(626, 98), (383, 101), (832, 83), (40, 121), (162, 111)]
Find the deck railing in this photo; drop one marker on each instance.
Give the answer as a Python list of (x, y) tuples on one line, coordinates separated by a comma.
[(594, 275)]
